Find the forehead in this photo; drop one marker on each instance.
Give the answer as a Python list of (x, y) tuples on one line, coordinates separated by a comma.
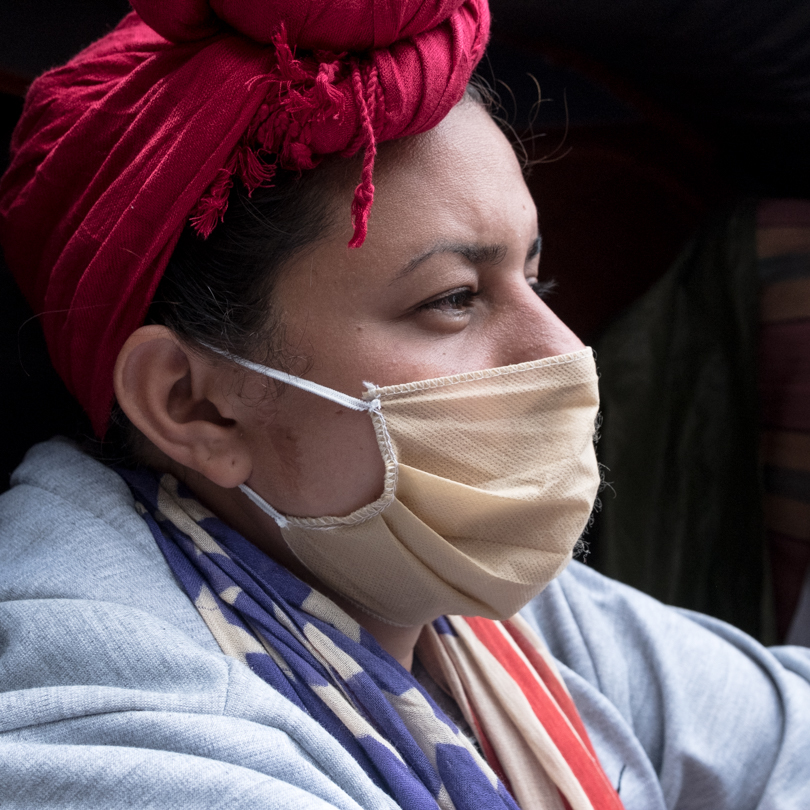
[(462, 174), (459, 183)]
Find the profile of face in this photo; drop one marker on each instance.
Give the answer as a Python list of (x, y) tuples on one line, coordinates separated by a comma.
[(442, 285)]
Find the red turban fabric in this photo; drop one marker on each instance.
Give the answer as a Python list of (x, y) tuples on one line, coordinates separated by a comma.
[(146, 128)]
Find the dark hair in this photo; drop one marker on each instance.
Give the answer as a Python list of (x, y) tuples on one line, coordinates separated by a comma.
[(219, 291)]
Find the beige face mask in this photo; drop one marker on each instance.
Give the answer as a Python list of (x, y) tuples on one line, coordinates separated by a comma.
[(490, 478)]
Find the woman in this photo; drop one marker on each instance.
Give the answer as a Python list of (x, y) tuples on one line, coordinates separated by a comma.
[(362, 447)]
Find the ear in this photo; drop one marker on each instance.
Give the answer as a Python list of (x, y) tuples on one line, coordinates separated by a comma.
[(178, 401)]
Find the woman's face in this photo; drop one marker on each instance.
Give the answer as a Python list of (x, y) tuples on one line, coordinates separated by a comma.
[(442, 285)]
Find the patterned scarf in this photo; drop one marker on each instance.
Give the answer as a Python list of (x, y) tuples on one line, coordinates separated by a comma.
[(324, 662)]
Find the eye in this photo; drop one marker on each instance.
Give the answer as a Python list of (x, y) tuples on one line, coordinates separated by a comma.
[(455, 302)]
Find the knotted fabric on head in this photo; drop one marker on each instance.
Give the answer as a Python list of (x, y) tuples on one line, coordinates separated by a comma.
[(148, 128)]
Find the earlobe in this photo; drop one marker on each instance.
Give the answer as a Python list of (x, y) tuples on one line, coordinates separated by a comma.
[(176, 399)]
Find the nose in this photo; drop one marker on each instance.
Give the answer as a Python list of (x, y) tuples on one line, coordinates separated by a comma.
[(533, 331)]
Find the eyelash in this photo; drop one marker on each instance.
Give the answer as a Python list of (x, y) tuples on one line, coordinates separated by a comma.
[(462, 299), (545, 288)]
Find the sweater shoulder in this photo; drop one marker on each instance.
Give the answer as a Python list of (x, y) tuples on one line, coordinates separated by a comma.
[(69, 530)]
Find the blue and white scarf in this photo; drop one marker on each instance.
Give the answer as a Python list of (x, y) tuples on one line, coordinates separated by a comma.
[(320, 659)]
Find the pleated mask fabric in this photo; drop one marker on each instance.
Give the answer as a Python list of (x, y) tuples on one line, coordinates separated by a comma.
[(490, 479)]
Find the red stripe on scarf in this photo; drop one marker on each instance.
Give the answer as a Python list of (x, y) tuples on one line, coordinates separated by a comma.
[(552, 683), (579, 757)]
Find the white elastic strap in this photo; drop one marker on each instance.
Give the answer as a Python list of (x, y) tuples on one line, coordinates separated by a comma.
[(264, 506), (305, 385)]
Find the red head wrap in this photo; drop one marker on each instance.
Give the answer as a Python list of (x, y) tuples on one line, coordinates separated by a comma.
[(147, 127)]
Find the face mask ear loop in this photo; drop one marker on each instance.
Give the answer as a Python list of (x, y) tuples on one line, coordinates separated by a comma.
[(338, 397), (264, 506), (305, 385)]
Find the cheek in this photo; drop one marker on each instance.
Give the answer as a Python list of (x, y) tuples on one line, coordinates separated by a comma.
[(316, 459), (285, 445)]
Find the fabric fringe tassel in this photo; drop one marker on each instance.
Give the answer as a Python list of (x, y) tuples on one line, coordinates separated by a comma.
[(366, 95), (302, 92)]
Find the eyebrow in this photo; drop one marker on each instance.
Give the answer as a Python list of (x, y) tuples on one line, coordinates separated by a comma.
[(475, 254)]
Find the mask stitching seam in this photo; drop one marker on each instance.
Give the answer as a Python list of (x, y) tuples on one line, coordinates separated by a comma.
[(370, 510), (471, 376)]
